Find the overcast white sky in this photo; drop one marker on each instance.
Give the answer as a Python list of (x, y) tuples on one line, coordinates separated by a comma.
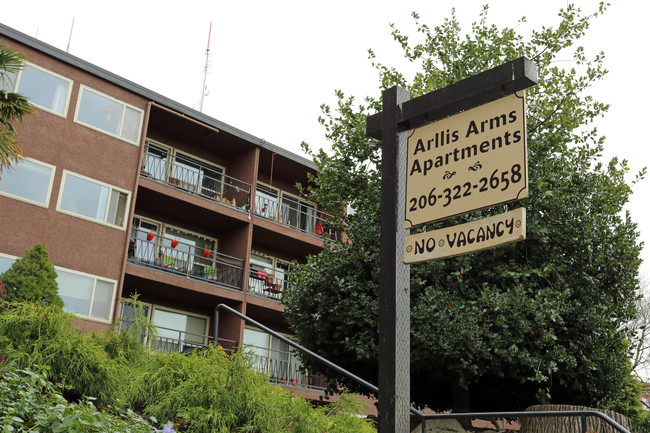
[(275, 62)]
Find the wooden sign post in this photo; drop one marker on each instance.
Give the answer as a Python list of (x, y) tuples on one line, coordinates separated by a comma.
[(400, 115)]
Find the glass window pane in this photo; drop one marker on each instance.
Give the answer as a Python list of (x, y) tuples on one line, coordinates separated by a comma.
[(258, 339), (28, 180), (173, 324), (75, 291), (102, 300), (5, 263), (44, 89), (116, 208), (8, 81), (196, 329), (84, 197), (131, 128), (266, 201), (155, 162), (100, 112)]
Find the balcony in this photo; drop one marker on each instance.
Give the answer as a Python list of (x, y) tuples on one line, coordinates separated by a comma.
[(283, 367), (194, 177), (185, 259), (265, 284), (294, 213)]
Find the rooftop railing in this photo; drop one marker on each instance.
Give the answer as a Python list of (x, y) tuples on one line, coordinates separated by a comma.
[(194, 177), (209, 266)]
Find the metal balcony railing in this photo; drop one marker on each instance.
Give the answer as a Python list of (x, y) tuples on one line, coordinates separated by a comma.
[(170, 340), (297, 215), (185, 259), (283, 368), (195, 178), (265, 284)]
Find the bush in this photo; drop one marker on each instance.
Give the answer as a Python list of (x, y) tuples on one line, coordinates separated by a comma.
[(207, 391), (212, 391), (34, 334), (32, 278), (29, 402)]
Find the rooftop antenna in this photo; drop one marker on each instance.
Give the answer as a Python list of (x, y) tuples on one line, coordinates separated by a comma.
[(67, 50), (206, 67)]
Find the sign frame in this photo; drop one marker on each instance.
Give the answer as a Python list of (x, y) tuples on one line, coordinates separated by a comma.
[(467, 162)]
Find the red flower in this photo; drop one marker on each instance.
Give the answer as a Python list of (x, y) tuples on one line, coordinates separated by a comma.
[(448, 304)]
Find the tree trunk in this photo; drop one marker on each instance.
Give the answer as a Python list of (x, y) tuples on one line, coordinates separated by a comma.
[(570, 424), (460, 401)]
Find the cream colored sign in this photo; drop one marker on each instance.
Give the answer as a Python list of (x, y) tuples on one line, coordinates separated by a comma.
[(466, 238), (466, 162)]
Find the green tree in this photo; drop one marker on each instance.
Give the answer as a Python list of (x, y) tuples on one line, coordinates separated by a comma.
[(13, 107), (538, 321), (32, 278)]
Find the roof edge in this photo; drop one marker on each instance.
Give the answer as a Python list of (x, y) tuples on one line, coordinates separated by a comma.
[(149, 94)]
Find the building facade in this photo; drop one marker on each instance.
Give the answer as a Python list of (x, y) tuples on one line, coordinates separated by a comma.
[(133, 193)]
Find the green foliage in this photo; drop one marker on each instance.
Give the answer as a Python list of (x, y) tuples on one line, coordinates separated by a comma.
[(207, 391), (13, 107), (538, 321), (32, 278), (29, 402), (33, 334), (630, 405), (212, 391)]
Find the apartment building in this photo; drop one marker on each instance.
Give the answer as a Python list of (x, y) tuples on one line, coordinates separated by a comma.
[(135, 193)]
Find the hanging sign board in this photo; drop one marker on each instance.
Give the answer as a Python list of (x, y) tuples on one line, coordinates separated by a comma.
[(466, 162), (466, 238)]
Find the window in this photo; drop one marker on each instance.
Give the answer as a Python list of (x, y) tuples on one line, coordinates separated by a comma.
[(186, 172), (43, 88), (285, 208), (86, 295), (28, 180), (93, 200), (109, 115), (273, 356), (174, 248), (175, 330), (268, 275), (5, 262), (267, 201)]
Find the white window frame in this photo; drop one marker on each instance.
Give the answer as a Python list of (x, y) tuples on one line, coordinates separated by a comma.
[(82, 89), (282, 193), (111, 309), (49, 187), (274, 263), (172, 153), (84, 217), (66, 105), (152, 308), (87, 275)]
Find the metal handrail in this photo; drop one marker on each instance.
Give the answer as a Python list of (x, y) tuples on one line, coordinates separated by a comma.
[(481, 415), (209, 266)]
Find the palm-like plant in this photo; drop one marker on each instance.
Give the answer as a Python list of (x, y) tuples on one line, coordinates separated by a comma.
[(13, 107)]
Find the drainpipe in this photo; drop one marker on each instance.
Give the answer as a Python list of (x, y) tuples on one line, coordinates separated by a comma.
[(271, 177)]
